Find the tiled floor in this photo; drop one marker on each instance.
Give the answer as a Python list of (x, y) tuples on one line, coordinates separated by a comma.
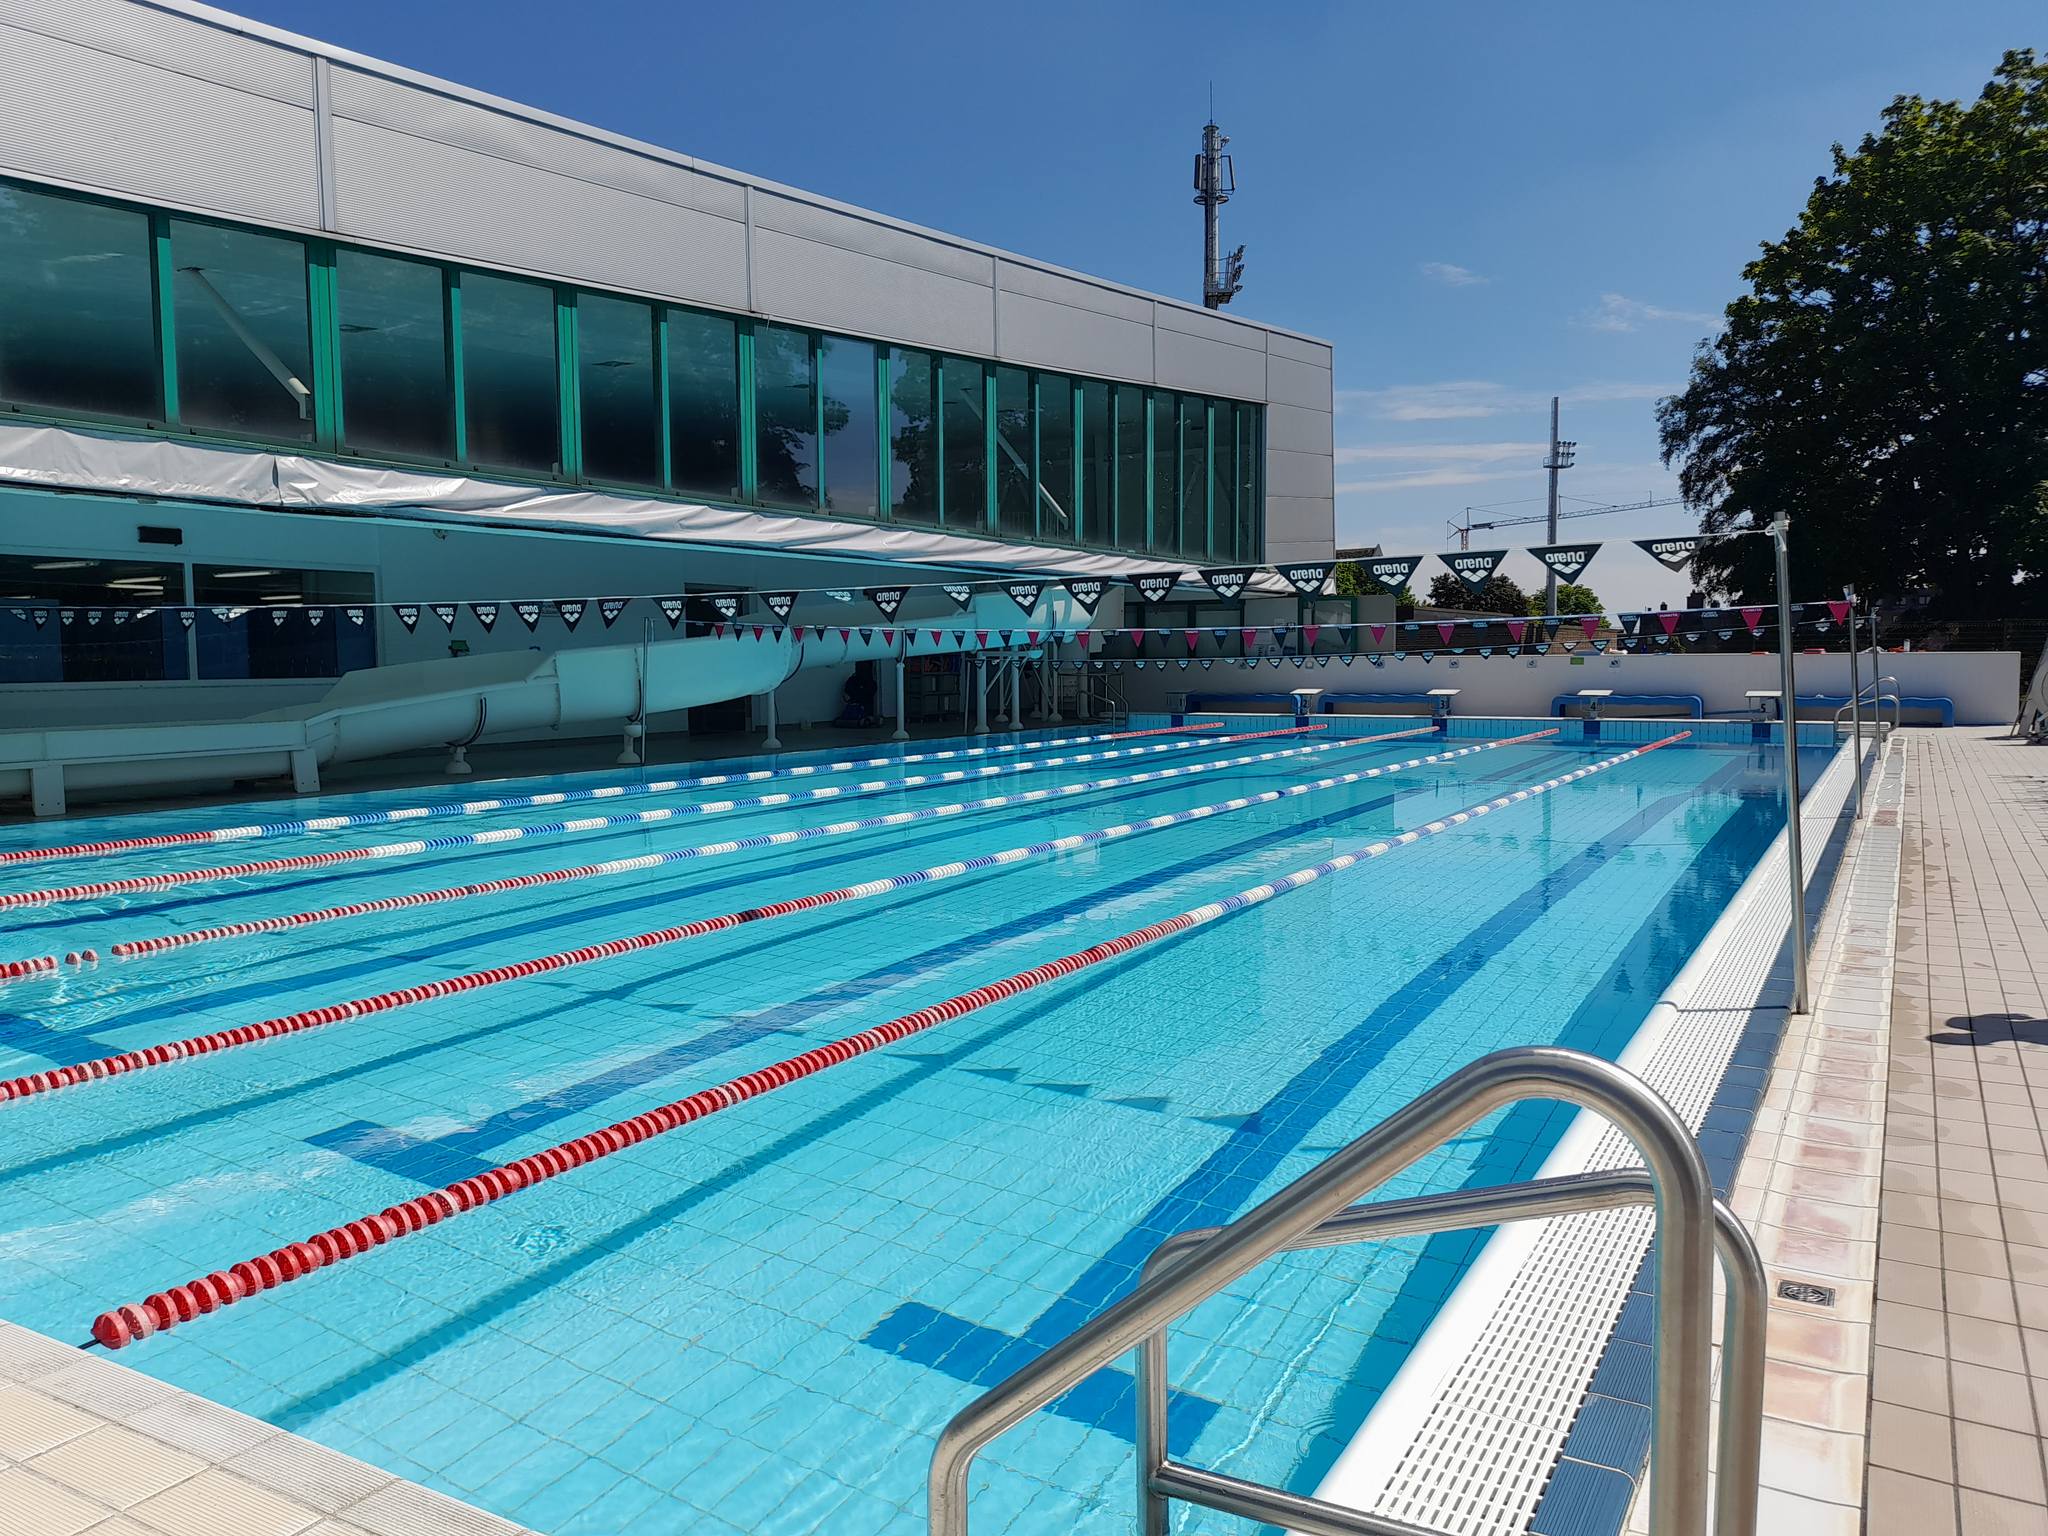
[(1960, 1382)]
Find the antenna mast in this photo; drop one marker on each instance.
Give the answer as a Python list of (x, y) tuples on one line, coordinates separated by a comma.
[(1215, 181)]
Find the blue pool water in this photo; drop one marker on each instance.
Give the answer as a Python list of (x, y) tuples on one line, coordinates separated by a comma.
[(759, 1322)]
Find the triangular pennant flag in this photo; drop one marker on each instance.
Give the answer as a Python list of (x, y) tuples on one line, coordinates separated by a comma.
[(845, 636), (839, 594), (672, 610), (1515, 630), (571, 611), (1322, 661), (1182, 663), (1194, 639), (1280, 633), (1309, 577), (1154, 586), (1599, 645), (717, 631), (1669, 620), (1446, 630), (1250, 637), (1754, 618), (120, 616), (1474, 567), (1541, 647), (727, 605), (887, 599), (1392, 571), (981, 638), (609, 609), (1375, 658), (779, 603), (486, 614), (1208, 662), (355, 616), (1228, 581), (186, 616), (1838, 611), (315, 615), (1309, 633), (1514, 650), (41, 617), (94, 615), (1025, 594), (1590, 623), (1087, 591), (937, 635), (888, 637), (1565, 561), (960, 637), (1672, 554), (760, 630), (866, 636), (66, 615), (445, 612), (960, 592), (1299, 661), (1486, 650), (277, 617), (1551, 622), (529, 615), (1379, 637)]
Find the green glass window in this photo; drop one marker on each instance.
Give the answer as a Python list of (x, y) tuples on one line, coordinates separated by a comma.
[(1165, 474), (1130, 467), (785, 416), (852, 468), (1056, 518), (511, 413), (619, 409), (1014, 513), (1250, 503), (703, 404), (1194, 475), (77, 307), (1098, 524), (1223, 480), (117, 631), (251, 623), (965, 434), (913, 438), (394, 356), (245, 346)]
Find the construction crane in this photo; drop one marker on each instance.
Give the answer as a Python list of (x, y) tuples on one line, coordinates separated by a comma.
[(1463, 532)]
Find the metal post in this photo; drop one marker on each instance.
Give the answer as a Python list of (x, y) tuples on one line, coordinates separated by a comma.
[(1052, 683), (900, 733), (1787, 680), (1550, 576), (1855, 698), (636, 724), (1015, 670), (981, 693), (774, 742)]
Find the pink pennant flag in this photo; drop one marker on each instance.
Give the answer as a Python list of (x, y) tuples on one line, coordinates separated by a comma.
[(1447, 630), (759, 631), (1669, 620), (981, 638), (889, 638), (1031, 638), (1251, 638), (718, 633), (846, 636), (1590, 623), (1087, 638), (1754, 618), (1838, 611), (935, 640), (1379, 634), (1516, 627), (1194, 639), (1308, 636)]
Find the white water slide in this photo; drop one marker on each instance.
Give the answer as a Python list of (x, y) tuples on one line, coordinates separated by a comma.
[(454, 701)]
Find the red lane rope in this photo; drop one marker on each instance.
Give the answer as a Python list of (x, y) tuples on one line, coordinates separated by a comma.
[(131, 1321)]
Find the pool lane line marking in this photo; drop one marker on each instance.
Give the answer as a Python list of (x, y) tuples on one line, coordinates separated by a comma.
[(861, 788), (102, 1067), (131, 1321), (120, 845), (164, 943)]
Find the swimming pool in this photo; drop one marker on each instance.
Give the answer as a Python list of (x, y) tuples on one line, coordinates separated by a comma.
[(758, 1322)]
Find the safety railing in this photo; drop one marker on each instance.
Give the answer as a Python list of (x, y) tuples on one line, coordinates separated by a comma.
[(1317, 1210), (1874, 694)]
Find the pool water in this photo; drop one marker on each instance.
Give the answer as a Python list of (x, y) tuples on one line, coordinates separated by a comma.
[(759, 1322)]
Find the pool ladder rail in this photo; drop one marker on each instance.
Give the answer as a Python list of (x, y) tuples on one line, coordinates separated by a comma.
[(1317, 1210)]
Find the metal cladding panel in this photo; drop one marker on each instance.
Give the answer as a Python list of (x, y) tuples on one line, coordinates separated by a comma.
[(837, 289), (1315, 353), (1297, 429), (81, 114), (828, 226), (1015, 277), (442, 119), (1210, 367), (1204, 323), (1050, 335), (149, 36), (1300, 528), (458, 202), (1299, 474), (1293, 383)]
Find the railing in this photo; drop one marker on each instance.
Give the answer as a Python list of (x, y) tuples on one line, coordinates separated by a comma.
[(1317, 1210), (1873, 694)]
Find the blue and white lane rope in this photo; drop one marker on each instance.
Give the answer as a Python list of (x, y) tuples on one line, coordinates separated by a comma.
[(120, 845), (164, 943), (173, 878), (123, 1062)]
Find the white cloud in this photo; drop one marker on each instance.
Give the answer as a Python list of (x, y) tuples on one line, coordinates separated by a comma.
[(1452, 275), (1619, 312), (1413, 466), (1473, 399), (1467, 453)]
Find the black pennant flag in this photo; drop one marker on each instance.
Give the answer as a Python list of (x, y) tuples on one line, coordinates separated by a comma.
[(1672, 554), (1228, 581), (529, 615), (355, 616), (1308, 578), (185, 617), (1392, 571), (1565, 560), (445, 612), (671, 609), (960, 592), (779, 603), (315, 615), (609, 609), (1087, 591), (727, 605), (486, 614), (887, 599), (571, 610), (1474, 567), (41, 616), (1155, 586), (277, 616), (1025, 594)]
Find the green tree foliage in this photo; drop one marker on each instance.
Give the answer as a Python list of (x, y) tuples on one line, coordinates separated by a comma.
[(1350, 580), (1500, 594), (1572, 597), (1885, 379)]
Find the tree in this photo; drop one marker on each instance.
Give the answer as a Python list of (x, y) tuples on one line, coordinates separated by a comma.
[(1350, 580), (1571, 598), (1499, 594), (1884, 381)]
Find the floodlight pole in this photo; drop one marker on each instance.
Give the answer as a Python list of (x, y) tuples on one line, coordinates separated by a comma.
[(1550, 576), (1855, 697), (1795, 854)]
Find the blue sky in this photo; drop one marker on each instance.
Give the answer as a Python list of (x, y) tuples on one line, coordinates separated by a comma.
[(1480, 204)]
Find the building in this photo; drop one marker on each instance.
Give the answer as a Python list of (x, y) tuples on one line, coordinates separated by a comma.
[(283, 325)]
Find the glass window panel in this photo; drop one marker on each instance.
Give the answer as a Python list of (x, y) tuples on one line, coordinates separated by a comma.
[(1056, 458), (703, 404), (511, 409), (1223, 482), (277, 636), (1097, 524), (619, 409), (913, 438), (1250, 504), (1013, 453), (785, 416), (966, 446), (1194, 442), (852, 470), (92, 647), (77, 307), (1130, 467), (1165, 474), (394, 356), (245, 347)]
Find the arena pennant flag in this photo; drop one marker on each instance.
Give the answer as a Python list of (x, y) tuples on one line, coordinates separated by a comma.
[(671, 609), (1565, 561), (445, 612), (1474, 567), (185, 617), (486, 614), (1672, 554), (779, 603), (887, 599), (315, 615), (1308, 578), (727, 605), (1088, 591), (1228, 581), (960, 592), (1155, 586), (609, 609), (839, 594), (408, 615), (529, 615), (571, 610), (1392, 571), (276, 618), (1025, 594)]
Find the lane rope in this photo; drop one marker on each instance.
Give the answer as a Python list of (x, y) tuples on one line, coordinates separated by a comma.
[(131, 1321), (34, 1083), (173, 878), (165, 943), (121, 845)]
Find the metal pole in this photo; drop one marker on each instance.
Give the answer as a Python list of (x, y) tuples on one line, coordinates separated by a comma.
[(1855, 698), (774, 742), (900, 733), (1550, 578), (1052, 682), (1788, 682), (981, 693)]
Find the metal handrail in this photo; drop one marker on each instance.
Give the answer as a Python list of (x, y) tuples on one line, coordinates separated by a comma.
[(1870, 693), (1686, 1233)]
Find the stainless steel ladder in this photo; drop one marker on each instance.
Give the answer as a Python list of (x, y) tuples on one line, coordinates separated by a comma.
[(1317, 1210)]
